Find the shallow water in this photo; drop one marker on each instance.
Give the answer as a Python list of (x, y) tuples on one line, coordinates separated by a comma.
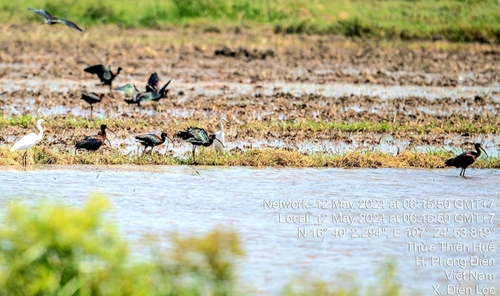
[(271, 88), (190, 199)]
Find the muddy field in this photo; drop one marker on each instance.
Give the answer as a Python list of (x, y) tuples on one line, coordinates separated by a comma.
[(259, 82)]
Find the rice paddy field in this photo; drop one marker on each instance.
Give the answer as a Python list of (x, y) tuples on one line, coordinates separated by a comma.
[(336, 103)]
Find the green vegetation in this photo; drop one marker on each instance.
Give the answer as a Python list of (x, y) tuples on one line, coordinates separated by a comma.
[(50, 249), (60, 250), (54, 153), (386, 286), (452, 124), (454, 20)]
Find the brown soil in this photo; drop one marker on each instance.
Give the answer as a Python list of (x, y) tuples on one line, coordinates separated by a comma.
[(28, 53)]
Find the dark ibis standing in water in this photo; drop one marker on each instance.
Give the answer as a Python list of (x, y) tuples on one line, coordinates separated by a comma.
[(92, 143), (465, 159), (105, 74), (92, 98), (198, 137), (152, 140), (49, 19)]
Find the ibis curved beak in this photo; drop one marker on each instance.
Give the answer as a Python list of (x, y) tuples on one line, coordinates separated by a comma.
[(166, 149), (111, 131), (171, 141), (487, 156), (107, 137), (219, 141)]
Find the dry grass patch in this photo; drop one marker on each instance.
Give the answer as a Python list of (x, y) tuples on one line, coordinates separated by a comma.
[(237, 157)]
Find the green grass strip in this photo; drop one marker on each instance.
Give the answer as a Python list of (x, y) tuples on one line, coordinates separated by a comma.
[(454, 20)]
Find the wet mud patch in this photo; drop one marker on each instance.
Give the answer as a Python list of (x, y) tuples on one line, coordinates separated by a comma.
[(243, 53), (292, 92)]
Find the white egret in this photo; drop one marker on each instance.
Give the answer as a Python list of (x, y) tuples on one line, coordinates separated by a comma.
[(29, 140), (220, 136)]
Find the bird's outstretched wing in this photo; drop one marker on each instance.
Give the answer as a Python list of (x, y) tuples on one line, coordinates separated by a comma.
[(128, 89), (42, 13), (97, 69), (148, 96), (108, 75), (152, 85), (164, 88), (69, 24)]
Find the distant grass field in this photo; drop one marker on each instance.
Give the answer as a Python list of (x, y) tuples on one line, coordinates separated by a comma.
[(453, 20)]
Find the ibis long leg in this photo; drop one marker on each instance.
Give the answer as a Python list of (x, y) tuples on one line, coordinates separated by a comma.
[(194, 149), (25, 156), (111, 91)]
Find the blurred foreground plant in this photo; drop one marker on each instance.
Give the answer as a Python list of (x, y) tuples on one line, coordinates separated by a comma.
[(387, 285), (60, 250)]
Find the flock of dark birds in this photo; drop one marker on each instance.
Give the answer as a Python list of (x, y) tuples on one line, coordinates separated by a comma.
[(152, 94), (194, 135)]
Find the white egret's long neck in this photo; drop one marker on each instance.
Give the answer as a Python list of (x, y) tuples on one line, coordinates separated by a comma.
[(40, 129), (222, 125)]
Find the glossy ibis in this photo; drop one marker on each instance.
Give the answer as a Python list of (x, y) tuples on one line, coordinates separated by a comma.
[(105, 74), (137, 96), (152, 140), (92, 98), (220, 136), (92, 143), (198, 137), (153, 86), (28, 141), (465, 159), (49, 19)]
